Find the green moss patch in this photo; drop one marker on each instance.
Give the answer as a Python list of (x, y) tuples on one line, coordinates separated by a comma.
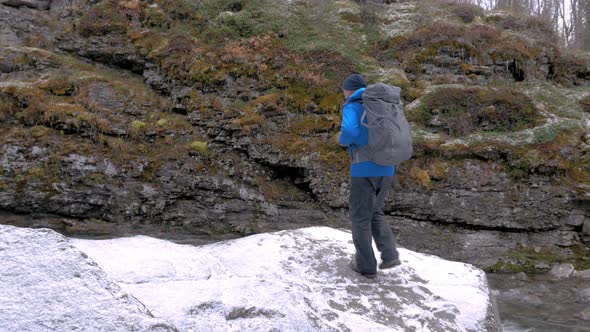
[(199, 146), (300, 26), (460, 111), (550, 132), (528, 259)]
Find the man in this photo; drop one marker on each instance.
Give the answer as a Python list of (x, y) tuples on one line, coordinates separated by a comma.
[(369, 186)]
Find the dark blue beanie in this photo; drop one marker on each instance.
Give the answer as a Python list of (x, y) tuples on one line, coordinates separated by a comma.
[(354, 82)]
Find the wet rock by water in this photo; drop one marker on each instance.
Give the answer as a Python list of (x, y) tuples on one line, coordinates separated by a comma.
[(562, 271), (541, 303)]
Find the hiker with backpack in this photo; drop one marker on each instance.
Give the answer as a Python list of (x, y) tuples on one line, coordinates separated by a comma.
[(378, 137)]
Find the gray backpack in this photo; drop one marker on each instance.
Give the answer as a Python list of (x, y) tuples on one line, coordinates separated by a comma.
[(390, 137)]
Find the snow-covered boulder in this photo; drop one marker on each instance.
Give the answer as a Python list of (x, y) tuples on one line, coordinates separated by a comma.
[(46, 284), (296, 280)]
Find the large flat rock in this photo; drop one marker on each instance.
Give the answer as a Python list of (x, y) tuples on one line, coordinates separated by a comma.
[(46, 284), (295, 280)]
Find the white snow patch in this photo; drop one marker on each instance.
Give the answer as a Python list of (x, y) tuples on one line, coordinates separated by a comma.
[(291, 281), (48, 285)]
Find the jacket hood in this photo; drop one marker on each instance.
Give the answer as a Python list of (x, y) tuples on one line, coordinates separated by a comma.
[(356, 96)]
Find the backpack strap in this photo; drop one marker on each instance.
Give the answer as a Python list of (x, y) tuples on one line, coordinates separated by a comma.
[(364, 117)]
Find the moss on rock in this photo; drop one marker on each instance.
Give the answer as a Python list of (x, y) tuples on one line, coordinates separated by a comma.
[(478, 44), (199, 146), (539, 259), (460, 111)]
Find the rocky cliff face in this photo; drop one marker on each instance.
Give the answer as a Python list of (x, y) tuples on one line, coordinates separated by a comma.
[(220, 119)]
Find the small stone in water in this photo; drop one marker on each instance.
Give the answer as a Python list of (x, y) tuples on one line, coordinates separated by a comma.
[(542, 266), (521, 276), (585, 314), (585, 295), (562, 271), (533, 299)]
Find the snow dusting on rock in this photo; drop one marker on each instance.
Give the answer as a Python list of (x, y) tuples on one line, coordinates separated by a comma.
[(46, 284), (296, 280)]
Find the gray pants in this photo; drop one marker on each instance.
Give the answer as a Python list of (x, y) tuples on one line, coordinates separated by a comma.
[(367, 198)]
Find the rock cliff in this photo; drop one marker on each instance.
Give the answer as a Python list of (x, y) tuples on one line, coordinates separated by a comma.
[(218, 117)]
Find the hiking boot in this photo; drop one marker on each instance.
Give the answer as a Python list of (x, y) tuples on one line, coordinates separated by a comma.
[(389, 264), (355, 269)]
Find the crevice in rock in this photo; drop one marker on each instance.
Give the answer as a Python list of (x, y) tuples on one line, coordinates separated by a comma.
[(465, 226), (112, 60), (39, 5), (295, 175), (234, 7), (585, 75), (551, 72), (581, 203), (516, 71)]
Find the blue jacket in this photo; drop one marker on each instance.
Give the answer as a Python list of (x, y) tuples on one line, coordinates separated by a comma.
[(354, 135)]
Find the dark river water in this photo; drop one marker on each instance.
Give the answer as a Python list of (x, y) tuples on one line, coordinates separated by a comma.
[(540, 304)]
